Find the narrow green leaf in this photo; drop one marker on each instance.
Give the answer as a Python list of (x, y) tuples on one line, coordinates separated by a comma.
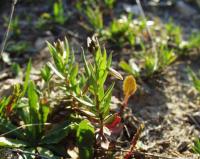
[(55, 71), (3, 103), (57, 59), (12, 143), (27, 76), (44, 112), (74, 72), (109, 91), (105, 104), (86, 64), (126, 67), (6, 126), (196, 147), (109, 62), (66, 51), (56, 9), (58, 133), (86, 152), (33, 97), (34, 112), (195, 80), (84, 102), (85, 139), (46, 152), (46, 73)]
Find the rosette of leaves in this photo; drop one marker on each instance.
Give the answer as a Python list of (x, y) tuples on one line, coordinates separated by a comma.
[(24, 121)]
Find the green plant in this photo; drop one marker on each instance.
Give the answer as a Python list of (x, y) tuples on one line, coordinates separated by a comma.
[(92, 13), (30, 112), (17, 47), (58, 12), (147, 62), (14, 26), (43, 20), (196, 83), (195, 79), (109, 3), (28, 117), (121, 31), (194, 41), (166, 56), (94, 16), (174, 32), (196, 147), (15, 69)]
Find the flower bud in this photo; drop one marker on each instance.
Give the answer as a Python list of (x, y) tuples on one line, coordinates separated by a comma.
[(92, 44)]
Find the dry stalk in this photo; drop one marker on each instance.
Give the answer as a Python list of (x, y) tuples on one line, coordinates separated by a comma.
[(14, 2), (154, 49)]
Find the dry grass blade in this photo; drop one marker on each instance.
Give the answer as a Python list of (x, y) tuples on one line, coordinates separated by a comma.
[(149, 33), (23, 126), (8, 29)]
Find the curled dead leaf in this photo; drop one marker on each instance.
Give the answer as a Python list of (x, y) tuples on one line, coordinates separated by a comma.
[(115, 73)]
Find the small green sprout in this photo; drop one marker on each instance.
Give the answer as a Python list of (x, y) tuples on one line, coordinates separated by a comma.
[(58, 12)]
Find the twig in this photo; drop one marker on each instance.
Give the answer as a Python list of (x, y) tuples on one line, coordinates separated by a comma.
[(149, 33), (134, 142), (14, 2), (22, 126)]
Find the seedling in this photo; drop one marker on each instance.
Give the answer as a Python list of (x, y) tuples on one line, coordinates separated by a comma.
[(194, 41), (58, 12), (95, 17), (146, 63), (59, 16), (92, 13), (196, 82), (18, 47), (174, 32), (15, 69), (195, 79), (43, 20), (121, 31), (14, 26), (196, 147)]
